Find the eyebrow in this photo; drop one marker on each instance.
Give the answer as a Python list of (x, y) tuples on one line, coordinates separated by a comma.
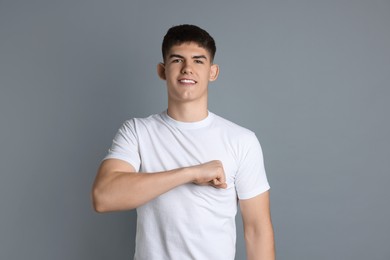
[(193, 57)]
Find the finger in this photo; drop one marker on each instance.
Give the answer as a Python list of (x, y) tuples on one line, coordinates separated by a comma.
[(221, 176), (218, 184)]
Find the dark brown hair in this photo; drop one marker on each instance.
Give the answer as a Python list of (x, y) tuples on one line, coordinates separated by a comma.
[(188, 33)]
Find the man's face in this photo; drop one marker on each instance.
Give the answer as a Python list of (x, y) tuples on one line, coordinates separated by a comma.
[(187, 71)]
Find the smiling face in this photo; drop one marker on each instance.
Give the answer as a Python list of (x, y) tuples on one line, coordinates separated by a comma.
[(187, 70)]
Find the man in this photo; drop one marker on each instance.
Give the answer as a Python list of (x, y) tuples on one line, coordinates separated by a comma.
[(185, 168)]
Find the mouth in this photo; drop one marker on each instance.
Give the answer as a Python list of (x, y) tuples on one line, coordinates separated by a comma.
[(187, 81)]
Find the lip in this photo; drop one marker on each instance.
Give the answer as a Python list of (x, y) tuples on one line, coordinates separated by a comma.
[(187, 81)]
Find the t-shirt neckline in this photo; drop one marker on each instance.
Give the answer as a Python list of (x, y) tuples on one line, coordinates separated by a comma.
[(188, 125)]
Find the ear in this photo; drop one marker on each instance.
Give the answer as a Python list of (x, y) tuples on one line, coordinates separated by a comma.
[(214, 72), (161, 71)]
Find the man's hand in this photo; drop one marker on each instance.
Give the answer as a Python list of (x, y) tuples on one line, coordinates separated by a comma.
[(210, 173)]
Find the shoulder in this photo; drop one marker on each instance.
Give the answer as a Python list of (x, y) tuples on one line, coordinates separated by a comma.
[(233, 129), (140, 122)]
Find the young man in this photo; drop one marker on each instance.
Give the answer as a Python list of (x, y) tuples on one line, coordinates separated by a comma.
[(185, 169)]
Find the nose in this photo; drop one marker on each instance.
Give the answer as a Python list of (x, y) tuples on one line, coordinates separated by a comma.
[(186, 69)]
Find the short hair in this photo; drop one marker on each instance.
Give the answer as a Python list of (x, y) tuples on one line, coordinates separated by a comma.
[(186, 33)]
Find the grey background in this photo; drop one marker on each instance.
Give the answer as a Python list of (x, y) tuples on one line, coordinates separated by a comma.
[(311, 78)]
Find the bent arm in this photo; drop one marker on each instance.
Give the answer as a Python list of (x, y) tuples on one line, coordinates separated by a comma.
[(119, 187), (258, 230)]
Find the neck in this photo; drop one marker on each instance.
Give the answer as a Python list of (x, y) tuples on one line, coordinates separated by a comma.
[(187, 112)]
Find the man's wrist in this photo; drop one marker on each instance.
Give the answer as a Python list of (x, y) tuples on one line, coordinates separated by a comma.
[(190, 173)]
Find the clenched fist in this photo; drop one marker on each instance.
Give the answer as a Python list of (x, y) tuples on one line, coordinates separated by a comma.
[(210, 173)]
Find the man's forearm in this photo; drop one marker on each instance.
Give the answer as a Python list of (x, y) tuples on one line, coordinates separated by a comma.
[(128, 190), (118, 187)]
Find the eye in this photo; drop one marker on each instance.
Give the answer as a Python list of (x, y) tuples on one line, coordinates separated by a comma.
[(199, 61), (177, 60)]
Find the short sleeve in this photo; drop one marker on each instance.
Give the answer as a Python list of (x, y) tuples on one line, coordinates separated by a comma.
[(251, 179), (125, 145)]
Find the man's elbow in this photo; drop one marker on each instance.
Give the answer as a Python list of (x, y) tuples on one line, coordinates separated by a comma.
[(98, 201), (103, 202)]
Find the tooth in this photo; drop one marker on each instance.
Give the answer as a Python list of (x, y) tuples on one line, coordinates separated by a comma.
[(187, 81)]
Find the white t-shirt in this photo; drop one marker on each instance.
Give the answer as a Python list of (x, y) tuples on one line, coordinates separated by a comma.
[(191, 221)]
